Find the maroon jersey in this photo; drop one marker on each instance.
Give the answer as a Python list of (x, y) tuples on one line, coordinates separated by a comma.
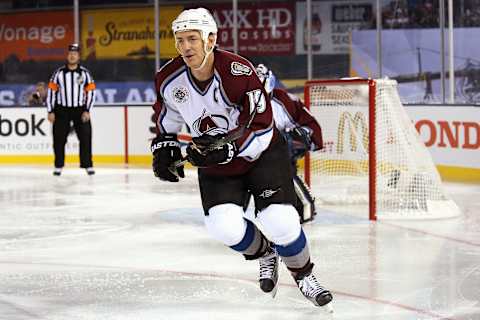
[(225, 104), (289, 112)]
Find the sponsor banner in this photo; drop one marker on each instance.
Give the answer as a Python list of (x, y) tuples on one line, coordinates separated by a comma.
[(26, 131), (408, 52), (451, 133), (36, 35), (337, 134), (127, 33), (141, 130), (106, 92), (345, 140), (125, 92), (264, 28), (332, 23)]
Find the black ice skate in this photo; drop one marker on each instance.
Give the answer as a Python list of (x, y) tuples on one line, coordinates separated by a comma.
[(314, 292), (269, 271)]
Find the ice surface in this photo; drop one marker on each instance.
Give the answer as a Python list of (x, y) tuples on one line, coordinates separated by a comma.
[(123, 245)]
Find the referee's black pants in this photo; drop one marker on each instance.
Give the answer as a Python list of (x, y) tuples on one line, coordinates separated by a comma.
[(61, 128)]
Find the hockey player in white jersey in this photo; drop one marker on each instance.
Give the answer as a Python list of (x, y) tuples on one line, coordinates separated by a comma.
[(237, 150)]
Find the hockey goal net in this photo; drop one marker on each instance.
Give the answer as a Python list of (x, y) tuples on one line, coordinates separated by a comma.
[(373, 160)]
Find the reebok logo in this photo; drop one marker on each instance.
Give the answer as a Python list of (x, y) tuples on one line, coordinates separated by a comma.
[(267, 193), (21, 127)]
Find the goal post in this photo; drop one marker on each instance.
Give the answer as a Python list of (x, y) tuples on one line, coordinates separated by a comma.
[(373, 159)]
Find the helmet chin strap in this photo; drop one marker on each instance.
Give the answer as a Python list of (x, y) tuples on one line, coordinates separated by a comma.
[(204, 61)]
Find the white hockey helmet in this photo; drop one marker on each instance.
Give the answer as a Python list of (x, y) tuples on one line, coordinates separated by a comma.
[(267, 77), (199, 19)]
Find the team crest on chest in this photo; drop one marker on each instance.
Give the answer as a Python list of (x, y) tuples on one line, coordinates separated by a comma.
[(180, 94), (239, 69), (211, 124)]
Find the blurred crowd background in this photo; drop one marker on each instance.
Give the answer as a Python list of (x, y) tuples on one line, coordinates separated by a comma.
[(118, 44)]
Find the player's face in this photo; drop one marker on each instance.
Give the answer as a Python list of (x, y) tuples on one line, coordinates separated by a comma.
[(73, 57), (190, 46)]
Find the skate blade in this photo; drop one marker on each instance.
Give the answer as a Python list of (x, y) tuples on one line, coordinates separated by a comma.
[(273, 293), (327, 308)]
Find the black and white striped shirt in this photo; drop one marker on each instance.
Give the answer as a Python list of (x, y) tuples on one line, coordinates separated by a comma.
[(71, 88)]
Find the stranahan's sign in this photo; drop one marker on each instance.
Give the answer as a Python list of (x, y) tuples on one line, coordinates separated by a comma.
[(36, 36), (127, 33)]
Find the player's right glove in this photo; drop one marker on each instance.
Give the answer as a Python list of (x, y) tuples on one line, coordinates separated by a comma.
[(166, 153), (203, 153)]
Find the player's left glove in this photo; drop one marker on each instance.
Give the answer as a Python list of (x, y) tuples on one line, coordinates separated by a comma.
[(201, 154), (299, 141)]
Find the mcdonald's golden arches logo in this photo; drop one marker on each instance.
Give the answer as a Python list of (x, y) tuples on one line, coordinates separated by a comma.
[(357, 129)]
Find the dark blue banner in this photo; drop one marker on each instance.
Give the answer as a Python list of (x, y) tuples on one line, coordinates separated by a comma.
[(107, 92)]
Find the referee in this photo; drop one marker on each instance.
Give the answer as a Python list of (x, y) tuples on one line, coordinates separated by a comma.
[(70, 98)]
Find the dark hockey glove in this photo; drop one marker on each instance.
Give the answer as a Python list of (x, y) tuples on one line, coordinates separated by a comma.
[(200, 153), (299, 141), (166, 153)]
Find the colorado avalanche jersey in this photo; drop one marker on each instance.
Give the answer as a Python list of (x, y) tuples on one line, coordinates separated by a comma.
[(226, 103), (289, 112)]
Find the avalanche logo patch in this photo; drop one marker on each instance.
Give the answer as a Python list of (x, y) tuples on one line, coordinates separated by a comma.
[(239, 69), (211, 124), (180, 94)]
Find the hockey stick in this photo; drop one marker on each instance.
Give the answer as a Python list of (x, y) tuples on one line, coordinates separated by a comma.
[(233, 135), (237, 133), (307, 200)]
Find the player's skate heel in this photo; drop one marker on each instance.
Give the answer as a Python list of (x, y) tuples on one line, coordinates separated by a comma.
[(314, 292), (269, 271)]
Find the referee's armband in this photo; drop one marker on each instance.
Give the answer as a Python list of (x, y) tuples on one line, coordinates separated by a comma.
[(53, 86), (90, 86)]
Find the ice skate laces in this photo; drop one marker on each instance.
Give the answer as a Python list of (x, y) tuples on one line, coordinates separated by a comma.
[(267, 265), (310, 286)]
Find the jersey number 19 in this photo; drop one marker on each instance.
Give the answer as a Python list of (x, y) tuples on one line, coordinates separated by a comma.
[(257, 100)]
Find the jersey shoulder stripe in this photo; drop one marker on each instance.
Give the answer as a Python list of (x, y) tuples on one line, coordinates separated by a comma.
[(236, 64), (170, 77), (236, 74), (165, 73), (165, 64), (170, 67)]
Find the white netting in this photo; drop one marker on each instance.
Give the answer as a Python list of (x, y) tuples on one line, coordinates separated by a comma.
[(407, 182)]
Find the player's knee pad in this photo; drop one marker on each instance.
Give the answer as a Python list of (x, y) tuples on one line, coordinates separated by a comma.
[(280, 223), (226, 224)]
